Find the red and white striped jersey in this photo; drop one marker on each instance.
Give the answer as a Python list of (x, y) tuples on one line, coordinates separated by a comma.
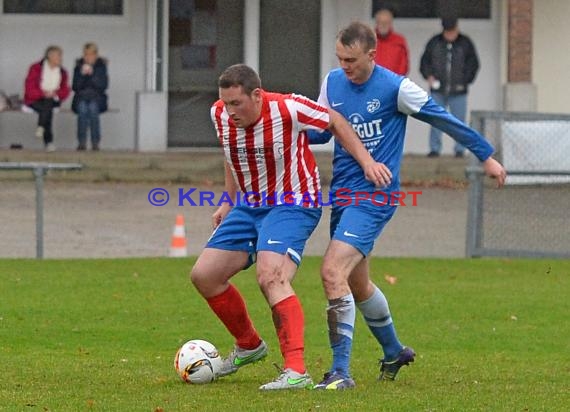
[(272, 156)]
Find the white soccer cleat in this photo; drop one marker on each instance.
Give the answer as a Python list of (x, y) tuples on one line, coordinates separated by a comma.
[(239, 357), (289, 379)]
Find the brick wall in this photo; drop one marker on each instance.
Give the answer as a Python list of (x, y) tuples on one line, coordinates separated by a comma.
[(519, 41)]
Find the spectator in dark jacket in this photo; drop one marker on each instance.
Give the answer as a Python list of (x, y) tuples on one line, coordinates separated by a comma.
[(449, 64), (90, 81), (46, 87)]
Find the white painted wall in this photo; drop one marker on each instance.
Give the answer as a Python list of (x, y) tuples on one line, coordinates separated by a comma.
[(485, 93), (551, 60), (121, 39)]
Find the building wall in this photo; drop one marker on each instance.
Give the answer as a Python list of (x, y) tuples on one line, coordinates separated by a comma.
[(485, 93), (551, 59), (121, 39)]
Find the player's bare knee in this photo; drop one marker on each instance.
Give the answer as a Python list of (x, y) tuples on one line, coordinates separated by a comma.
[(269, 277), (199, 278), (331, 275), (195, 276)]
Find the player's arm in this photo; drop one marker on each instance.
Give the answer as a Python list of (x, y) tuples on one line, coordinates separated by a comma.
[(319, 137), (414, 101), (377, 173), (231, 189), (435, 115)]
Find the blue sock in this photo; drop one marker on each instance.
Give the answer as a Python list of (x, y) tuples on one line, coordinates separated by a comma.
[(341, 314), (377, 315)]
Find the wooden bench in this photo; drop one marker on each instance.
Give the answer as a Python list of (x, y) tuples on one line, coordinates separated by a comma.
[(29, 110)]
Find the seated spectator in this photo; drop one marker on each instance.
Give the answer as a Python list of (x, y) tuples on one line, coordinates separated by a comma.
[(46, 87), (90, 81)]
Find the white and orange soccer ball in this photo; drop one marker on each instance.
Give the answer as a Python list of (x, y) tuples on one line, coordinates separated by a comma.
[(197, 361)]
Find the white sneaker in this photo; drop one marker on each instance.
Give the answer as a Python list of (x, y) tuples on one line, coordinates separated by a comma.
[(40, 132), (239, 357), (50, 147), (289, 379)]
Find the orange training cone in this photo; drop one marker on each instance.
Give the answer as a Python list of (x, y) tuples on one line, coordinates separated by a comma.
[(178, 246)]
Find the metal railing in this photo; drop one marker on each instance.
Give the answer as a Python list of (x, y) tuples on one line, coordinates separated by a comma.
[(530, 216), (39, 170)]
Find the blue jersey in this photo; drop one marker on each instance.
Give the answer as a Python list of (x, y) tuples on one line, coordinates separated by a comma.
[(378, 110)]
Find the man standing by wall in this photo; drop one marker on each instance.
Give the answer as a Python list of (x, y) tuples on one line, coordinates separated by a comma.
[(449, 64), (391, 47)]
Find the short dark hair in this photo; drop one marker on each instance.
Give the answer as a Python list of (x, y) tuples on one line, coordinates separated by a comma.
[(449, 22), (240, 75), (357, 32)]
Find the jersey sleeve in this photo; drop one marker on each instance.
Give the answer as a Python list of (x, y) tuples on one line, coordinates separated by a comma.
[(216, 117), (414, 101), (316, 137), (310, 115), (323, 99)]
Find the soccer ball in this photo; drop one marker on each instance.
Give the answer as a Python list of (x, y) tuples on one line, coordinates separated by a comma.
[(197, 361)]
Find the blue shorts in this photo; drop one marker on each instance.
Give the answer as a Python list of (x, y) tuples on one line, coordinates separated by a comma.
[(282, 229), (360, 226)]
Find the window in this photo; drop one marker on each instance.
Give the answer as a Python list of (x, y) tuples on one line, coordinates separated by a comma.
[(473, 9), (193, 32), (97, 7)]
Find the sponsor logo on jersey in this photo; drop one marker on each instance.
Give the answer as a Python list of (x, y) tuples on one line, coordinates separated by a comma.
[(369, 132), (373, 106)]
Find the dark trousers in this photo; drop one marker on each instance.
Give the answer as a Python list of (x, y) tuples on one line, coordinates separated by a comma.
[(44, 107)]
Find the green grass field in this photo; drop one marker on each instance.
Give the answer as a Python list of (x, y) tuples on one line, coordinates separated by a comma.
[(101, 335)]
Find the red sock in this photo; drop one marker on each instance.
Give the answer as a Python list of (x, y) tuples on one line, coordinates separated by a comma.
[(230, 308), (290, 325)]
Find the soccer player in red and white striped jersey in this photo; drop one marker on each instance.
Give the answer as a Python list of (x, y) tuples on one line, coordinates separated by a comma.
[(271, 156), (267, 154)]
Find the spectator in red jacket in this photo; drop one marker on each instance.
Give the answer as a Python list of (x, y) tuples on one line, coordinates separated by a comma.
[(391, 47), (46, 89)]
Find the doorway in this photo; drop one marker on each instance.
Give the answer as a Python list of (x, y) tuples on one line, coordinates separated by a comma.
[(290, 38), (205, 36)]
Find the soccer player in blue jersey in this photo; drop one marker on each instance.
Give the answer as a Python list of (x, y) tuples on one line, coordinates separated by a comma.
[(377, 102)]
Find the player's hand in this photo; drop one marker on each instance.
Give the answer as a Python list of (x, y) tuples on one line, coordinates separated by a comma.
[(495, 170), (220, 215), (378, 173)]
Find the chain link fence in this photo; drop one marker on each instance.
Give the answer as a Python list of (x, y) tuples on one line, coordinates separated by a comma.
[(530, 216)]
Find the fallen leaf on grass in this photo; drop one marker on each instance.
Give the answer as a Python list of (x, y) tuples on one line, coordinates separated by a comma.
[(161, 379)]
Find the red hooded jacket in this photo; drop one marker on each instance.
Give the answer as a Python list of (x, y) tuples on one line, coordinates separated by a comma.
[(33, 91), (392, 53)]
